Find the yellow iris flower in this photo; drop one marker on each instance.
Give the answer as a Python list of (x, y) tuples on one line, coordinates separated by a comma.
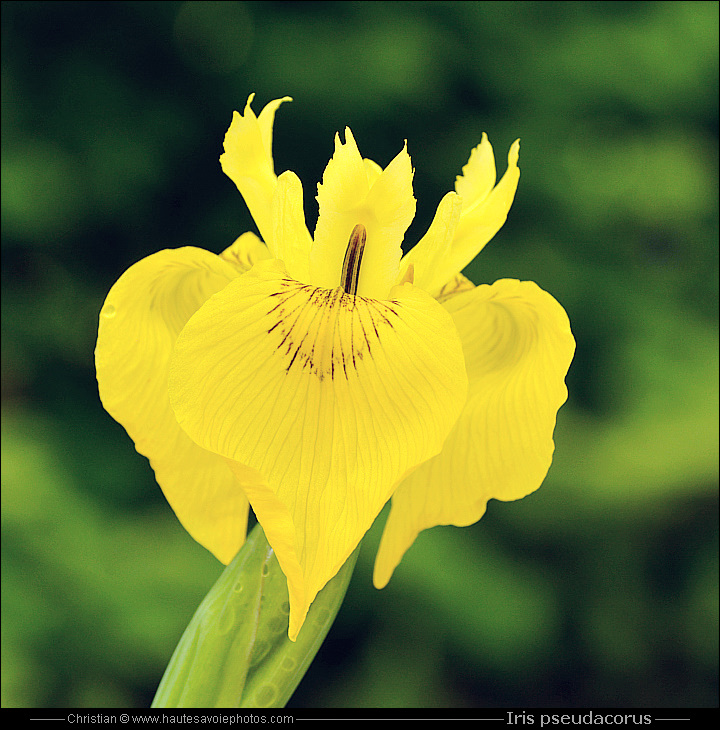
[(317, 377)]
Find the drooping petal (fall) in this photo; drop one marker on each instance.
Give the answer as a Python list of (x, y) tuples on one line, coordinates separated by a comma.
[(139, 324), (483, 212), (248, 162), (352, 192), (323, 400), (518, 347)]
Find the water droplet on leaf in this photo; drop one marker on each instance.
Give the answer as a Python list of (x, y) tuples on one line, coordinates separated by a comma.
[(266, 695)]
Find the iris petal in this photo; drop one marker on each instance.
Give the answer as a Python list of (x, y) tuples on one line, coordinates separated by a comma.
[(484, 211), (290, 234), (248, 162), (245, 252), (484, 217), (139, 324), (478, 175), (518, 347), (323, 400), (433, 248), (353, 192)]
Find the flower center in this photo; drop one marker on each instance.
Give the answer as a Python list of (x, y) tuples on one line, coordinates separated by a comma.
[(353, 257)]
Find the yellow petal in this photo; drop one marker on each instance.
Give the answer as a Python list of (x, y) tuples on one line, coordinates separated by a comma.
[(139, 323), (290, 234), (324, 400), (433, 248), (483, 213), (245, 252), (372, 170), (478, 176), (248, 162), (518, 347), (353, 193)]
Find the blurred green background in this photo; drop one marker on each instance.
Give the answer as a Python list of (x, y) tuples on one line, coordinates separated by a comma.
[(601, 589)]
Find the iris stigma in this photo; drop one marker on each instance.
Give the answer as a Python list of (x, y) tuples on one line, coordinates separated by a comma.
[(353, 257)]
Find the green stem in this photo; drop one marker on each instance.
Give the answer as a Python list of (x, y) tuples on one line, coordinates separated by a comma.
[(235, 652)]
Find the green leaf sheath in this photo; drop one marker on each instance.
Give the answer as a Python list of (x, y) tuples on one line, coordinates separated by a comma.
[(236, 652)]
